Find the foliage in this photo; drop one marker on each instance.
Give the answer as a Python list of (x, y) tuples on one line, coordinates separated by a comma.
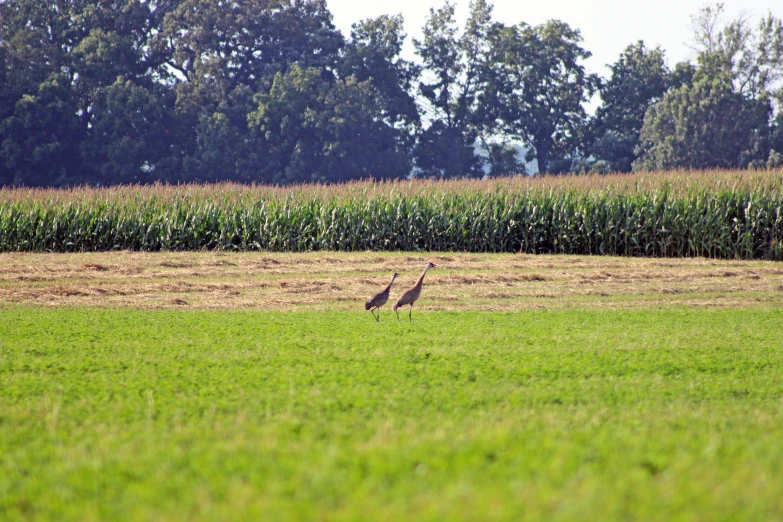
[(40, 138), (639, 79), (373, 54), (65, 61), (134, 92), (312, 129), (131, 136), (752, 59), (493, 85), (722, 117), (104, 92), (703, 125), (458, 67), (222, 55), (714, 217), (542, 89), (204, 415)]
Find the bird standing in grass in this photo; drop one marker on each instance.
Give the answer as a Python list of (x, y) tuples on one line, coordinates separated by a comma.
[(379, 299), (409, 297)]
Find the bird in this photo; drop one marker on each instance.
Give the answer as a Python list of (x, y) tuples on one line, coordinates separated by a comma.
[(379, 299), (409, 297)]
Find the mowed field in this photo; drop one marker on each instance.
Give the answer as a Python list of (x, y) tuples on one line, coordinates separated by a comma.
[(216, 386)]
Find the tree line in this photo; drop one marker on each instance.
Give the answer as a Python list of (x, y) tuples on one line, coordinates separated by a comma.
[(102, 92)]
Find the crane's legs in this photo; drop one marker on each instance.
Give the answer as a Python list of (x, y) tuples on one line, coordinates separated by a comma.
[(377, 317), (398, 315), (410, 311)]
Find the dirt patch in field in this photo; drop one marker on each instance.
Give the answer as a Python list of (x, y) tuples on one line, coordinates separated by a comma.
[(313, 280)]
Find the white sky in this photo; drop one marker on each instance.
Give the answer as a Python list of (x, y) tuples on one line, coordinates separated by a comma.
[(607, 26)]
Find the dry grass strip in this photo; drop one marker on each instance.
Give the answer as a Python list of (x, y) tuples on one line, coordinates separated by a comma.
[(339, 280)]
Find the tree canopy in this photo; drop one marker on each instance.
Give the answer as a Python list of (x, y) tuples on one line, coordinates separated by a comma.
[(103, 92), (639, 79), (722, 117)]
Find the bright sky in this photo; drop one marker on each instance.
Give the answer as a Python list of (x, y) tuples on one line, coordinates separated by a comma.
[(607, 26)]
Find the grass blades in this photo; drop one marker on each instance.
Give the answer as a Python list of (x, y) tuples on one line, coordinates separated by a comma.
[(557, 415)]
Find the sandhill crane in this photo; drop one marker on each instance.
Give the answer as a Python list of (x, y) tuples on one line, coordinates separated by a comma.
[(379, 299), (409, 297)]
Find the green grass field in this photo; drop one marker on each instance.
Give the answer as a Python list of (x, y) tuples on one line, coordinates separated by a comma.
[(651, 413)]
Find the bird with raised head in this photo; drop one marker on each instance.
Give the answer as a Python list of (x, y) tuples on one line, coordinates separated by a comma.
[(410, 297), (379, 299)]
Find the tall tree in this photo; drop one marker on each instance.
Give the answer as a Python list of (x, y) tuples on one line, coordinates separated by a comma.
[(775, 158), (313, 129), (543, 89), (722, 118), (133, 135), (38, 115), (639, 79), (703, 125), (455, 71), (40, 139), (222, 54), (373, 54), (7, 100), (753, 59), (72, 50)]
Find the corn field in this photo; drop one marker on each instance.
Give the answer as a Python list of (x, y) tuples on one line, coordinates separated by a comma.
[(684, 214)]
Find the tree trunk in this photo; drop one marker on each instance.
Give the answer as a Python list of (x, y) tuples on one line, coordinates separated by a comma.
[(542, 154)]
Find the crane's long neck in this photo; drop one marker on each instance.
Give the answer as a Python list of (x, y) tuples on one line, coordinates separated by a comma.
[(391, 282), (421, 278)]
